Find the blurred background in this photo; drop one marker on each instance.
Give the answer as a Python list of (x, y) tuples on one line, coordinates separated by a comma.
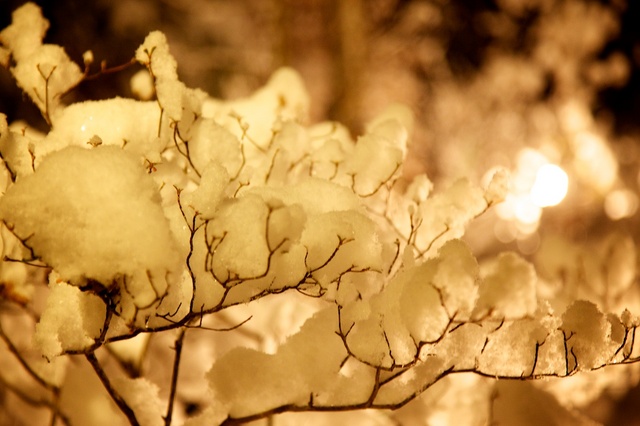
[(547, 88), (513, 83)]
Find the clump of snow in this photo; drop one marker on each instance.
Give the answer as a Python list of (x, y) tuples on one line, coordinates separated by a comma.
[(141, 396), (154, 53), (508, 288), (445, 215), (421, 305), (498, 186), (511, 350), (142, 85), (340, 241), (314, 195), (588, 333), (385, 124), (461, 346), (416, 306), (71, 320), (110, 120), (26, 31), (377, 156), (211, 191), (331, 145), (551, 355), (92, 214), (276, 237), (456, 277), (209, 141), (43, 71), (419, 189), (238, 235), (283, 98), (14, 148), (45, 75), (246, 381)]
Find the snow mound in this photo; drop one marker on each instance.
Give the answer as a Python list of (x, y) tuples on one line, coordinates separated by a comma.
[(92, 214)]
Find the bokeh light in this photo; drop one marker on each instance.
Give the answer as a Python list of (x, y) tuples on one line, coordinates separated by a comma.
[(550, 186), (537, 184)]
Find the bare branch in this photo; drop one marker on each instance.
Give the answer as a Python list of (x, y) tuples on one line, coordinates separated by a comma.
[(117, 398), (174, 376)]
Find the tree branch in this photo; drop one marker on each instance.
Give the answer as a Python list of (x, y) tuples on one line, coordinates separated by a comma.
[(117, 398), (174, 376)]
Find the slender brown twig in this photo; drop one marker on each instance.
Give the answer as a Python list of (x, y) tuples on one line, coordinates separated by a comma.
[(174, 376), (117, 398)]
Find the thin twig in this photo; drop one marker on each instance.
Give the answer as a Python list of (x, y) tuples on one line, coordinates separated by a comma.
[(174, 376), (14, 350), (56, 414), (117, 398)]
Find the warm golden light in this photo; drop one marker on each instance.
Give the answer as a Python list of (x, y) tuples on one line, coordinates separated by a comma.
[(594, 161), (550, 186), (620, 203), (536, 184)]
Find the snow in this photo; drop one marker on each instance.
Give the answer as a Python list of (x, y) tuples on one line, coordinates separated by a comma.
[(271, 204), (110, 120), (211, 191), (588, 333), (246, 381), (420, 305), (43, 71), (394, 123), (209, 141), (239, 227), (283, 98), (419, 189), (142, 396), (92, 214), (154, 52), (314, 195), (511, 350), (45, 75), (71, 320), (15, 149), (498, 187), (142, 85), (377, 157), (508, 288), (339, 241), (26, 31), (445, 215), (456, 277)]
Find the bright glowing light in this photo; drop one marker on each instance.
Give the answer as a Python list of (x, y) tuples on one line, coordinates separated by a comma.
[(620, 203), (525, 211), (529, 162), (550, 186), (535, 184), (594, 161)]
